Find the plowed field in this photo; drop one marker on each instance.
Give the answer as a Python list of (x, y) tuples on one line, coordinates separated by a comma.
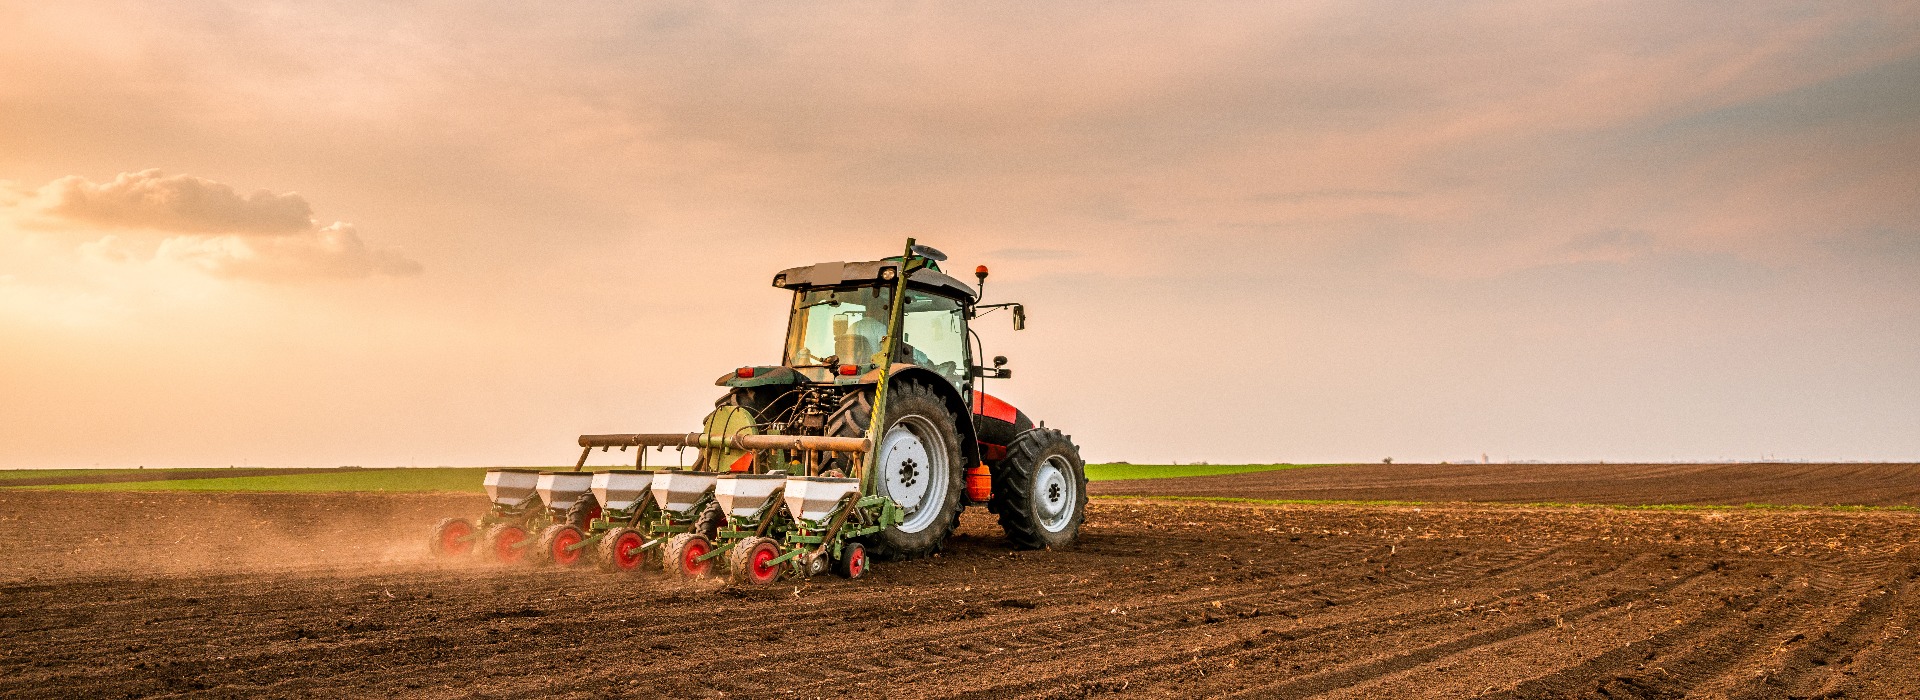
[(1622, 484), (252, 595)]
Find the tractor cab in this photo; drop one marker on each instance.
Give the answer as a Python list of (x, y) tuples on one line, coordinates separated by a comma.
[(838, 326)]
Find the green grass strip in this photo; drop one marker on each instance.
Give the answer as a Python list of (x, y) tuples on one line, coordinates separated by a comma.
[(1493, 504), (11, 474)]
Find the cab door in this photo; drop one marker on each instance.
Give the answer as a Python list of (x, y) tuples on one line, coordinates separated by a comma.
[(934, 336)]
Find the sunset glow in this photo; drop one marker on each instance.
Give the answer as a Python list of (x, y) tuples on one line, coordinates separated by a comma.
[(367, 234)]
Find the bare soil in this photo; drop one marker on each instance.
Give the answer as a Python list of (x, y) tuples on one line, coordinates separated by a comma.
[(1622, 484), (260, 595), (118, 476)]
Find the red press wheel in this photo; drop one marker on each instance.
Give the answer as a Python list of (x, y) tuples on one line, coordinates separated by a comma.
[(621, 551), (560, 545), (752, 561), (853, 561), (504, 543), (684, 552), (452, 537)]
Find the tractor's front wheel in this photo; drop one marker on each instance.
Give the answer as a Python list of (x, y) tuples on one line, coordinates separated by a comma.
[(1040, 490)]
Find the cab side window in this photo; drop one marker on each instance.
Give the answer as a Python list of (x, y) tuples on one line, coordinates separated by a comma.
[(935, 336)]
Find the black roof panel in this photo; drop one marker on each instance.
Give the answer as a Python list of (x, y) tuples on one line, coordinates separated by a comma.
[(836, 274)]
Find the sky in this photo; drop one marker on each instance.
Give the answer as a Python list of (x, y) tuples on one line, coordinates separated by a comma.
[(463, 233)]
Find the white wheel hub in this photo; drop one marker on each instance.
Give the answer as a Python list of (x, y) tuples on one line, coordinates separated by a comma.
[(1054, 495), (913, 468)]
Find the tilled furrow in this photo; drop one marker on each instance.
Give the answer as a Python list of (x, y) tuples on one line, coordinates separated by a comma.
[(1358, 672), (997, 639), (1672, 659), (1163, 630), (1821, 653), (1234, 645), (1168, 600)]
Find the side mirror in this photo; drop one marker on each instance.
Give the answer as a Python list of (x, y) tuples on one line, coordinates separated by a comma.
[(998, 371), (1019, 317)]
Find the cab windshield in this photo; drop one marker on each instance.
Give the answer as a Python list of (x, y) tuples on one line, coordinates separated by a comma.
[(849, 326), (837, 327)]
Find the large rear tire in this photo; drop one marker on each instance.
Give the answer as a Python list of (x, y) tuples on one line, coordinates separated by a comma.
[(1040, 490), (919, 465)]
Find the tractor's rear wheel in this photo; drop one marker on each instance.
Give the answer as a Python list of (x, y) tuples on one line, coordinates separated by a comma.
[(621, 551), (452, 537), (1040, 490), (504, 543), (558, 545), (683, 555), (918, 465)]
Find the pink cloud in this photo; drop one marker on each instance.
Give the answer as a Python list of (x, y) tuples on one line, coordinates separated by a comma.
[(150, 199)]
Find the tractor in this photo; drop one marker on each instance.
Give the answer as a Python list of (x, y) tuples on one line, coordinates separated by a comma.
[(877, 417)]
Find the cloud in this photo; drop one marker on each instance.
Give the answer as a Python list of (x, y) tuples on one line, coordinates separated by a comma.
[(216, 231), (150, 199), (334, 251)]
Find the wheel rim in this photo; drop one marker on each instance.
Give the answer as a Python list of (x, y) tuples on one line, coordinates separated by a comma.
[(505, 544), (858, 564), (690, 558), (1054, 494), (762, 554), (563, 552), (913, 464), (626, 551), (456, 538)]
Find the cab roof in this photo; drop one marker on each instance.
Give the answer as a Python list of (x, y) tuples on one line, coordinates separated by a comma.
[(844, 274)]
